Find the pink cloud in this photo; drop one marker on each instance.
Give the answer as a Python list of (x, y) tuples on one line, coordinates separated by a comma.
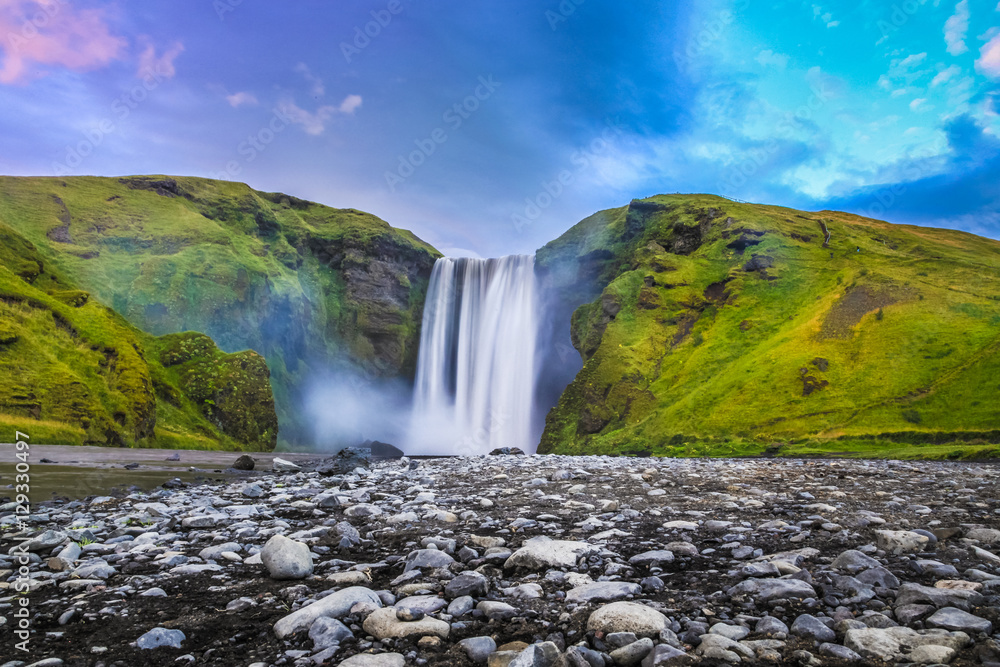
[(989, 58), (53, 33), (160, 66)]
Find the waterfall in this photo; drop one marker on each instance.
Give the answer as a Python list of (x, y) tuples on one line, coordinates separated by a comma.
[(476, 373)]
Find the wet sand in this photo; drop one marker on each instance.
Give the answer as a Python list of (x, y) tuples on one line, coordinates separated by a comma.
[(78, 472)]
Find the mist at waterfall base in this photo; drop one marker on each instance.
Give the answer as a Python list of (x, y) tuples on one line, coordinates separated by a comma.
[(347, 406)]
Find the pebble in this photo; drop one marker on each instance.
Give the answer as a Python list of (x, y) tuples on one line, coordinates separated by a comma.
[(600, 560), (158, 637)]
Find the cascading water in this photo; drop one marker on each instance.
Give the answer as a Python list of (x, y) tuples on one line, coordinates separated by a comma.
[(476, 368)]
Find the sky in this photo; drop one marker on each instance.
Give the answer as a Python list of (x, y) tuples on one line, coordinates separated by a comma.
[(491, 128)]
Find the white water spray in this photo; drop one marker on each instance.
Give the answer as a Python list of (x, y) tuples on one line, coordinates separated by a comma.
[(476, 370)]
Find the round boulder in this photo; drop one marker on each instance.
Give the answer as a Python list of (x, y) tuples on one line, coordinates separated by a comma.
[(628, 617), (286, 559)]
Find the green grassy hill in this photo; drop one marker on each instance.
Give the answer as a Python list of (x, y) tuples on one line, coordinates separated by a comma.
[(307, 286), (709, 327), (76, 372)]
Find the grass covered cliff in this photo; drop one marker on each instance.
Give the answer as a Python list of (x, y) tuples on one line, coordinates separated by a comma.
[(709, 327), (311, 288), (76, 372)]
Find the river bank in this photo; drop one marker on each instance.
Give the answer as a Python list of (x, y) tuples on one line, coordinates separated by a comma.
[(539, 560)]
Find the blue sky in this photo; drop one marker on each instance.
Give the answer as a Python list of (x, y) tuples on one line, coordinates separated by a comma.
[(492, 128)]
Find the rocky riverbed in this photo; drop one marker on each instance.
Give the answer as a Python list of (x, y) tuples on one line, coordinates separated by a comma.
[(522, 561)]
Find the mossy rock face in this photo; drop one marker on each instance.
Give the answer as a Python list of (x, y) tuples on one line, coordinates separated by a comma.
[(713, 327), (311, 288), (82, 374), (232, 391)]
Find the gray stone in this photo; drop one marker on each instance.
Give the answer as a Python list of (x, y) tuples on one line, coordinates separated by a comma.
[(282, 465), (427, 559), (158, 637), (196, 568), (204, 521), (336, 605), (325, 632), (363, 510), (984, 535), (734, 632), (951, 618), (467, 583), (214, 552), (763, 590), (47, 541), (931, 654), (383, 624), (427, 604), (286, 559), (628, 617), (374, 660), (603, 591), (543, 654), (769, 626), (252, 491), (908, 613), (878, 643), (900, 541), (95, 570), (244, 463), (910, 593), (619, 639), (241, 604), (935, 569), (408, 614), (760, 570), (718, 647), (650, 558), (633, 653), (853, 561), (831, 650), (542, 552), (497, 611), (461, 606), (478, 648), (878, 576), (664, 655), (810, 627)]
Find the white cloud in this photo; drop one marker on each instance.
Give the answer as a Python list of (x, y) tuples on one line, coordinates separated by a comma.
[(241, 98), (318, 89), (912, 60), (769, 57), (350, 104), (159, 66), (918, 104), (956, 27), (989, 58), (314, 122), (899, 92), (944, 76), (824, 16)]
